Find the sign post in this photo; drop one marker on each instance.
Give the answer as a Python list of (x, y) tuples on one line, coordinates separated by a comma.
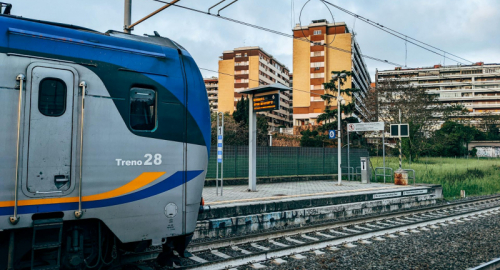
[(220, 149), (400, 131), (263, 98), (370, 126), (332, 134)]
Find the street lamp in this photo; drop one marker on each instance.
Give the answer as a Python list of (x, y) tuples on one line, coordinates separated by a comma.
[(339, 127)]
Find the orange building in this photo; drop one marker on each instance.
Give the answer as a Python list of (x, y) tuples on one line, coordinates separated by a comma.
[(212, 86), (249, 67), (313, 63)]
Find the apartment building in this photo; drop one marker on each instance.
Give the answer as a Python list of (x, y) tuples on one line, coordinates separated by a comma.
[(476, 87), (212, 85), (249, 67), (320, 48)]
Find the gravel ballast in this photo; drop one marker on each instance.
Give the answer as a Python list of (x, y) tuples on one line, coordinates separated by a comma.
[(458, 246)]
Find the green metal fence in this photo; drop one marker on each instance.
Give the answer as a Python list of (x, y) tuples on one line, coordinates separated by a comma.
[(283, 161)]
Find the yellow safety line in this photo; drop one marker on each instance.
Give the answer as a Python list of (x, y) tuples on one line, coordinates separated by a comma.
[(298, 195)]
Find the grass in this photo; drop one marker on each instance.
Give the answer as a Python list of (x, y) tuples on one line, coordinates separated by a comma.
[(475, 176)]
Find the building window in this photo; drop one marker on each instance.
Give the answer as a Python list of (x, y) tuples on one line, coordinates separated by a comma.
[(52, 97), (317, 87), (318, 43), (238, 55), (317, 64), (142, 109), (320, 53), (317, 75), (246, 54), (317, 32)]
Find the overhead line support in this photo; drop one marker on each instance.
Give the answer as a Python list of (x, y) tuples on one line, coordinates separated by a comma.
[(129, 28)]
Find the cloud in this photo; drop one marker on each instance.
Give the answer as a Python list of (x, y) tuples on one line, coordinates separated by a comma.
[(467, 28)]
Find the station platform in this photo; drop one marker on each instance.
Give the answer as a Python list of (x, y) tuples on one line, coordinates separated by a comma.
[(299, 203)]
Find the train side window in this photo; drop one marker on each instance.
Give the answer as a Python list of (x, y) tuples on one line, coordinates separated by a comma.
[(52, 97), (143, 109)]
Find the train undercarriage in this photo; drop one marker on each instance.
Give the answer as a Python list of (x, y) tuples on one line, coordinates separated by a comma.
[(81, 244)]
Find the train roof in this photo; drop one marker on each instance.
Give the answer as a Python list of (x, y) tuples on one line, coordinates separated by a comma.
[(155, 39)]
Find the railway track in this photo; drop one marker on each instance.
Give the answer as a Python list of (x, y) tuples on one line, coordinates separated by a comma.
[(491, 265), (273, 246)]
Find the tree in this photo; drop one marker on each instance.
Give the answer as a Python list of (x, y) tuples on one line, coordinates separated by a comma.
[(240, 115), (311, 139), (240, 118), (490, 124), (234, 133), (453, 139), (419, 109), (328, 119)]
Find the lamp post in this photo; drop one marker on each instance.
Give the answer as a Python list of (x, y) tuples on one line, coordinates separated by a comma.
[(339, 127)]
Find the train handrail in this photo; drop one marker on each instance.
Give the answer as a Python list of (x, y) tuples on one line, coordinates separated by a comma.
[(14, 219), (78, 214)]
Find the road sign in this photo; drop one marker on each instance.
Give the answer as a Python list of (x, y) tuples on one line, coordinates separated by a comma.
[(400, 130), (370, 126), (266, 103), (332, 134), (220, 143)]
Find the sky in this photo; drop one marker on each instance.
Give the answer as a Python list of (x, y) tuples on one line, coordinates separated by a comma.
[(467, 28)]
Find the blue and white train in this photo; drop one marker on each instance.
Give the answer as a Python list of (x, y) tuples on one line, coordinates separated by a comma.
[(104, 145)]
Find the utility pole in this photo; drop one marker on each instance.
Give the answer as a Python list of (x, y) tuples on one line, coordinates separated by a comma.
[(339, 128), (127, 17), (400, 150)]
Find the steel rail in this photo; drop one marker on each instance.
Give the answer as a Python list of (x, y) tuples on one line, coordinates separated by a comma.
[(397, 227), (491, 265), (239, 240)]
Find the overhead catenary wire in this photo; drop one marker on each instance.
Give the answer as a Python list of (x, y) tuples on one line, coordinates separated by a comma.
[(223, 73), (400, 35), (285, 35), (278, 33)]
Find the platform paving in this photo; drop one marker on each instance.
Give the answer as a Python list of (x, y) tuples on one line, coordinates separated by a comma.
[(291, 190)]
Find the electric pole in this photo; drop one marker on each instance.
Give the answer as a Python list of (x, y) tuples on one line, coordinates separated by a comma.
[(127, 16)]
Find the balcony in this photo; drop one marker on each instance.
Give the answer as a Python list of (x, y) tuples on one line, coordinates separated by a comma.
[(492, 105)]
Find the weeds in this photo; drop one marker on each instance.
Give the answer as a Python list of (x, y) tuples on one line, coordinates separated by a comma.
[(475, 176)]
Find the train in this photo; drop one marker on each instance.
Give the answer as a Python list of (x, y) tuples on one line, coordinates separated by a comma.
[(104, 145)]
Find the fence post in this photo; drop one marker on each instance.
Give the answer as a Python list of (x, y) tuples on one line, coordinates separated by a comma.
[(236, 161), (323, 160), (268, 159), (298, 148)]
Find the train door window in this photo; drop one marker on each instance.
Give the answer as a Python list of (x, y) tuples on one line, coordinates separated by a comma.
[(143, 109), (52, 97)]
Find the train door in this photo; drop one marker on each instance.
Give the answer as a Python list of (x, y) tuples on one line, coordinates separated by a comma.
[(50, 113)]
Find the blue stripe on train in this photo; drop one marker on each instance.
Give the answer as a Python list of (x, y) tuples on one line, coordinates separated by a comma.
[(167, 184)]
